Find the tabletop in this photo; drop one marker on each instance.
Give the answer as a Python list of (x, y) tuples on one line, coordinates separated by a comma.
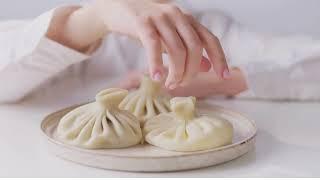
[(287, 143)]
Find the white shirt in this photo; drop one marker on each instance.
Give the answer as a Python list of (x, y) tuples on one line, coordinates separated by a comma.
[(31, 64)]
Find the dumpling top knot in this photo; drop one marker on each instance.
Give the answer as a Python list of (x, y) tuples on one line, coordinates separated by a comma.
[(147, 101), (149, 87), (112, 97), (183, 107)]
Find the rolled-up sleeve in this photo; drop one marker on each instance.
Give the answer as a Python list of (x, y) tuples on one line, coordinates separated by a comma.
[(28, 58)]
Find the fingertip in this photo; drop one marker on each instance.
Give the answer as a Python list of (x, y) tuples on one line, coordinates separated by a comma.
[(157, 76), (170, 85), (226, 73)]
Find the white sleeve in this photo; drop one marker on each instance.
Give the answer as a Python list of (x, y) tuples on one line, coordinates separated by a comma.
[(276, 67), (28, 58)]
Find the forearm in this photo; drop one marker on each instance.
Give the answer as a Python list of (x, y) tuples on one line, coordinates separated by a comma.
[(29, 59), (76, 27)]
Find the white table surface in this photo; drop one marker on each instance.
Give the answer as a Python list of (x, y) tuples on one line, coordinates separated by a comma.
[(287, 143)]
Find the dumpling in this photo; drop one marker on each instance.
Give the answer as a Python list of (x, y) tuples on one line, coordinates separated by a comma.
[(147, 101), (101, 124), (185, 130)]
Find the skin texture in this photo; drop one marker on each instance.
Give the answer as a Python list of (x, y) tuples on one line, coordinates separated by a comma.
[(161, 27)]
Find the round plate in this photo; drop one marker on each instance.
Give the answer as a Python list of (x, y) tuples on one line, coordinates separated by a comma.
[(148, 158)]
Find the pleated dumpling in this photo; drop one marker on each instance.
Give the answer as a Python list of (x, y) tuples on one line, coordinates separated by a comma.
[(185, 130), (101, 124), (147, 101)]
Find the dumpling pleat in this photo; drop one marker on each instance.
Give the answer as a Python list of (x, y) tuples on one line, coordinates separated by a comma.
[(85, 133), (74, 131), (133, 125), (150, 108), (109, 133), (162, 133), (166, 103), (130, 106), (127, 128), (126, 100), (73, 118), (117, 127), (140, 107), (181, 132), (98, 126), (159, 106)]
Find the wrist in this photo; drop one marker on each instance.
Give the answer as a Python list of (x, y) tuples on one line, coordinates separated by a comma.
[(85, 28), (76, 27)]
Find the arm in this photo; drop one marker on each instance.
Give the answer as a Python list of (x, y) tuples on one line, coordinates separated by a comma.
[(28, 58), (160, 27)]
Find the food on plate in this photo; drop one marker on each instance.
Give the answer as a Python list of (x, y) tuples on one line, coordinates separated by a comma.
[(184, 129), (101, 124), (147, 101)]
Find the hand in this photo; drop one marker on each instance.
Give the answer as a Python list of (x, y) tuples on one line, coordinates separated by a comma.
[(164, 27), (160, 27), (203, 85)]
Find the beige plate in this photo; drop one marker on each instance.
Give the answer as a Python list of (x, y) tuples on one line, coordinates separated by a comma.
[(147, 158)]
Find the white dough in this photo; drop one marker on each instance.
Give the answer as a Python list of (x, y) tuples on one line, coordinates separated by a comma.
[(184, 130), (147, 101), (101, 124)]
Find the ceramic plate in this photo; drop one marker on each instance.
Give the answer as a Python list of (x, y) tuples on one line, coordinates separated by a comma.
[(148, 158)]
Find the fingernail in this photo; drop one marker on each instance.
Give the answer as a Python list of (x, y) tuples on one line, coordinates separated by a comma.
[(226, 74), (157, 76)]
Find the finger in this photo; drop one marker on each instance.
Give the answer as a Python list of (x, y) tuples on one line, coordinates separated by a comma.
[(130, 81), (209, 84), (205, 65), (175, 49), (191, 41), (150, 39), (199, 86), (213, 48)]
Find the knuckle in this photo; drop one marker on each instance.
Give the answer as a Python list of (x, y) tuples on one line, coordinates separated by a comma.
[(179, 50), (172, 9), (161, 15), (144, 21), (152, 36), (196, 45)]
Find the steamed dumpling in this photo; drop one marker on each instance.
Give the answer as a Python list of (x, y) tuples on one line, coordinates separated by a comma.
[(100, 124), (185, 130), (147, 101)]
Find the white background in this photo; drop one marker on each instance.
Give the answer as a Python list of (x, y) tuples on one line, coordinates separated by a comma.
[(281, 16)]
